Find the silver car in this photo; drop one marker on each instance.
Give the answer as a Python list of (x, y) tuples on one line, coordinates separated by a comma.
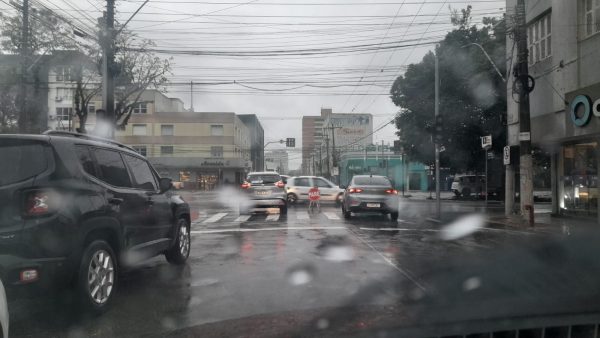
[(370, 193), (264, 190), (297, 189)]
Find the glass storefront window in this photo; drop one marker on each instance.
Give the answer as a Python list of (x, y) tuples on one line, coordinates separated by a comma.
[(580, 178)]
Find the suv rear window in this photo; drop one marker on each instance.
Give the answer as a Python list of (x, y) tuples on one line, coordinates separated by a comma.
[(26, 161), (375, 180), (263, 178)]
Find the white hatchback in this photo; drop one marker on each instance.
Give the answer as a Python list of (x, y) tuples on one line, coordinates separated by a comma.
[(297, 189)]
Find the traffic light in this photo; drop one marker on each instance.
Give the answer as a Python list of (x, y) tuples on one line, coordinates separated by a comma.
[(438, 129), (290, 142)]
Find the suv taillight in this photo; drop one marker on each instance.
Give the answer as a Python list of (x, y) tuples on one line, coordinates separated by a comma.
[(280, 184), (245, 185), (39, 202), (355, 190), (392, 191)]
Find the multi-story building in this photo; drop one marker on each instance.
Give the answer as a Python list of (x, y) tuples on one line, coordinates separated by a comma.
[(563, 39), (203, 150), (312, 134), (277, 160), (257, 141)]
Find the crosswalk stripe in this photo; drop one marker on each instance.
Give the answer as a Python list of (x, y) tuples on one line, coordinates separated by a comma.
[(242, 218), (272, 218), (302, 215), (215, 217), (331, 215)]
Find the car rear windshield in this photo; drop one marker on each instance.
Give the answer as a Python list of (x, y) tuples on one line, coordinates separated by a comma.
[(372, 181), (263, 179), (26, 160)]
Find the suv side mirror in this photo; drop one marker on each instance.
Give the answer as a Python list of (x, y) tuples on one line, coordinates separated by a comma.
[(165, 184)]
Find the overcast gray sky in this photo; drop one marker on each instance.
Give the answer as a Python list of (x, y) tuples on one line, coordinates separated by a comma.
[(288, 58)]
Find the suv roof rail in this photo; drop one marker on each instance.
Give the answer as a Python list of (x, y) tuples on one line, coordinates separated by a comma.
[(87, 137)]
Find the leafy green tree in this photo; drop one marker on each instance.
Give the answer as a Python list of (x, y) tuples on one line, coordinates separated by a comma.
[(472, 95)]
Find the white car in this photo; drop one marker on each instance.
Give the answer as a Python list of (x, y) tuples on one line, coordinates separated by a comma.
[(297, 189), (3, 312)]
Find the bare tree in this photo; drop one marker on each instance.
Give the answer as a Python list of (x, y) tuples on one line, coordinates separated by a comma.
[(138, 69)]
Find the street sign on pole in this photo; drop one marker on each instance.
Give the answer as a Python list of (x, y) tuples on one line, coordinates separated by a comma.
[(486, 142), (506, 156)]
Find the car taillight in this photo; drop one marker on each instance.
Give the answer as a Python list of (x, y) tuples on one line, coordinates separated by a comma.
[(38, 203), (392, 191), (354, 190), (280, 184), (245, 185)]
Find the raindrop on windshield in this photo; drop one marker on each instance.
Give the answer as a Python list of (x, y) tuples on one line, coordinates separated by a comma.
[(322, 324), (300, 274), (462, 227), (471, 284)]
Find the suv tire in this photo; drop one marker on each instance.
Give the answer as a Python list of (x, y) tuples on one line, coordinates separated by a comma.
[(292, 198), (347, 214), (180, 251), (97, 279)]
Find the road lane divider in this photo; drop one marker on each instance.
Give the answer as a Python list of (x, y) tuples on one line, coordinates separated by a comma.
[(215, 218), (219, 231)]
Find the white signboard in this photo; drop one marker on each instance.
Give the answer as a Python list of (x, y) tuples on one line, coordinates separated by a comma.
[(486, 142), (335, 171), (506, 156), (525, 136)]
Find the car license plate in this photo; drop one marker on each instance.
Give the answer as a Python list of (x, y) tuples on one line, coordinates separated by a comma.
[(373, 205), (263, 193)]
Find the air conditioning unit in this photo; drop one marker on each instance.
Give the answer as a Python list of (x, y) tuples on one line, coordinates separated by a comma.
[(58, 98)]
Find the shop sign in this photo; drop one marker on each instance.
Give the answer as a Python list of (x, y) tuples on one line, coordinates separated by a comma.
[(588, 108), (207, 163)]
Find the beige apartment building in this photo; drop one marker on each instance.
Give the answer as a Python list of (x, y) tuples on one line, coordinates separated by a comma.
[(203, 150)]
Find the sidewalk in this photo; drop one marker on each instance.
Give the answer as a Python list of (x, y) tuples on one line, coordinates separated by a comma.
[(545, 222)]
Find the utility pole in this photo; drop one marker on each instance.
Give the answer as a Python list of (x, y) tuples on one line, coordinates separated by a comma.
[(192, 96), (108, 55), (382, 156), (24, 114), (438, 205), (522, 79), (327, 153)]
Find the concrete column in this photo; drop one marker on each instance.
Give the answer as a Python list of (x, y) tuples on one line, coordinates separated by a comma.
[(509, 195)]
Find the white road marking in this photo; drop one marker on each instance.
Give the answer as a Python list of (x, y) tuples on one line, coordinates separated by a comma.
[(215, 217), (242, 218), (398, 229), (217, 231), (302, 215), (406, 222), (331, 215), (272, 218)]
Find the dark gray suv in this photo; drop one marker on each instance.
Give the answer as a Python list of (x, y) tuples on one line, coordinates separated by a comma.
[(75, 208), (264, 190)]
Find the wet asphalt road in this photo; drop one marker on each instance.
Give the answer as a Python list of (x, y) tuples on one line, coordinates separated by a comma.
[(268, 264)]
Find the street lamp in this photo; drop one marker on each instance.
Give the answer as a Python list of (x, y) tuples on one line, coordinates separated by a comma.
[(488, 57)]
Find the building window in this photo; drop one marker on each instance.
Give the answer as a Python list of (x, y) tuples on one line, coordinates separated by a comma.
[(539, 38), (139, 129), (591, 17), (64, 74), (142, 150), (217, 130), (64, 93), (140, 108), (166, 150), (216, 151), (166, 130), (91, 108), (63, 114)]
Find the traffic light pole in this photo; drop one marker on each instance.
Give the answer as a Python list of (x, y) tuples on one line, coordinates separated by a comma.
[(438, 205)]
